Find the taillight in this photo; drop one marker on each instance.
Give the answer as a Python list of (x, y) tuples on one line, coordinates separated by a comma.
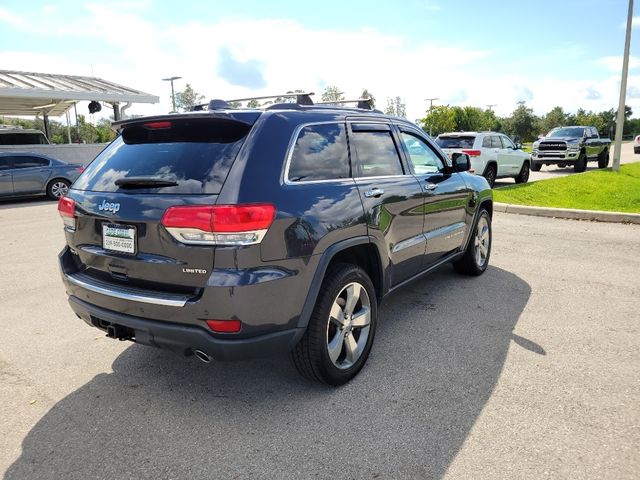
[(219, 224), (224, 326), (472, 153), (67, 210), (80, 169)]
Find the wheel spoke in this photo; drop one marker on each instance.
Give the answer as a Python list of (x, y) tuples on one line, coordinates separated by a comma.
[(362, 318), (351, 348), (483, 250), (353, 295), (335, 346), (337, 314)]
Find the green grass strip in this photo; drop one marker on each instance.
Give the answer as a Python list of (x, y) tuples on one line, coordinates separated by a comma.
[(595, 190)]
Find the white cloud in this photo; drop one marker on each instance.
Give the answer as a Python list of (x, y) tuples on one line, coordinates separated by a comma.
[(614, 63)]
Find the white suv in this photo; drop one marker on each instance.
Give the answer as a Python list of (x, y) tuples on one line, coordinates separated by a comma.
[(493, 155)]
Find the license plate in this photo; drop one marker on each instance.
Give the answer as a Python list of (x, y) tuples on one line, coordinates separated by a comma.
[(119, 238)]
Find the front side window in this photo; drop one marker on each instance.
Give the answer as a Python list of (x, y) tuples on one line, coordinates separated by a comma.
[(422, 156), (320, 153), (376, 153), (4, 163), (507, 142)]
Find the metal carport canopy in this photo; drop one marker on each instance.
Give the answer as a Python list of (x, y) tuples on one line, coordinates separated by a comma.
[(28, 94)]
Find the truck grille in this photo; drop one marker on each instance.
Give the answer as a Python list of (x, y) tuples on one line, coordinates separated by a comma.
[(546, 146)]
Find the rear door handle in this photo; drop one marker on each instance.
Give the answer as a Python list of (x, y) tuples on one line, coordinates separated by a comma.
[(374, 193)]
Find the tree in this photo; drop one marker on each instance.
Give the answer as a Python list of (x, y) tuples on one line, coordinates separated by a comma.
[(555, 118), (396, 107), (521, 124), (439, 119), (253, 104), (188, 98), (332, 94), (367, 94)]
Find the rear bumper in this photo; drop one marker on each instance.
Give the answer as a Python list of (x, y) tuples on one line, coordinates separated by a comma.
[(185, 339)]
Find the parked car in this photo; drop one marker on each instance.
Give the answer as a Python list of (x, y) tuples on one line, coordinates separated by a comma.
[(232, 233), (636, 144), (493, 155), (32, 174), (12, 135), (575, 145)]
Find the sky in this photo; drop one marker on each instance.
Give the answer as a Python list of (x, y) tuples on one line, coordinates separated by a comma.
[(546, 53)]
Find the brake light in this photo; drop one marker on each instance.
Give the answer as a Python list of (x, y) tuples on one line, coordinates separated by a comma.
[(219, 224), (472, 153), (224, 326), (158, 125), (80, 169), (67, 210)]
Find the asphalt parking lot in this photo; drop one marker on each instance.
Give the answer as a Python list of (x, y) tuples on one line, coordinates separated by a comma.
[(531, 371)]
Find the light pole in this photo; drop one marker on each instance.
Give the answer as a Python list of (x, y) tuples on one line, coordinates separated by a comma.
[(623, 92), (173, 93), (490, 106), (430, 100)]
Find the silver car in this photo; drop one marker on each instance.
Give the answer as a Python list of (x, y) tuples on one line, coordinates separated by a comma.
[(29, 174)]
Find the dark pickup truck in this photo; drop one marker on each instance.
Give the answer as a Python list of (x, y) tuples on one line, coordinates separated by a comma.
[(575, 146)]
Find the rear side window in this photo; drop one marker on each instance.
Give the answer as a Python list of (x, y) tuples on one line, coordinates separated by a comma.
[(4, 163), (456, 142), (29, 162), (320, 153), (195, 153), (495, 142), (486, 142), (376, 153)]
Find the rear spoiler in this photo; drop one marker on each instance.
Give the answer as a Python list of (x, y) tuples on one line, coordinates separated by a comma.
[(246, 118)]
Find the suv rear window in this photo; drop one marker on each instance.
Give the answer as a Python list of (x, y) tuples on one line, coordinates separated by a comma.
[(23, 139), (455, 142), (195, 153)]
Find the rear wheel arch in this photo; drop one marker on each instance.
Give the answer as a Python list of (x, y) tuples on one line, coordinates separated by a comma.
[(360, 251)]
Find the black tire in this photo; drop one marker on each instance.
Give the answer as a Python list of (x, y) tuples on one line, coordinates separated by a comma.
[(581, 163), (490, 174), (311, 355), (603, 159), (55, 188), (468, 264), (535, 166), (523, 176)]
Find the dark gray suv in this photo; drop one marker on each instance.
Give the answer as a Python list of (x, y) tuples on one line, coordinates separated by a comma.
[(230, 233)]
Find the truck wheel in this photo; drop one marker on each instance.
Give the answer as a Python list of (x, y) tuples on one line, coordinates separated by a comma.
[(603, 159), (523, 177), (476, 258), (57, 188), (341, 328), (581, 164), (490, 175), (535, 166)]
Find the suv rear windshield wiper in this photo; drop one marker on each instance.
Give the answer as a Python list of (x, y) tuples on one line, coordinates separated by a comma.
[(144, 182)]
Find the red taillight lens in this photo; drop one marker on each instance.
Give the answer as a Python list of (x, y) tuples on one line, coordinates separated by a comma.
[(80, 169), (242, 218), (472, 153), (67, 210), (219, 224), (189, 217), (224, 326)]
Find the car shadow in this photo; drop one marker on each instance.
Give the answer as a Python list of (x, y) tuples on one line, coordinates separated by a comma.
[(439, 351)]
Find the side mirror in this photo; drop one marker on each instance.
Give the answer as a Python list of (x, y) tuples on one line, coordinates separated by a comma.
[(518, 146), (461, 162)]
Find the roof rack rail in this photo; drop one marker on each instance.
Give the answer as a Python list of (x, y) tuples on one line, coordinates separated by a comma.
[(364, 103), (302, 98)]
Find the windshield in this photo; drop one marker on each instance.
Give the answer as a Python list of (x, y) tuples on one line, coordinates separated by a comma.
[(573, 132)]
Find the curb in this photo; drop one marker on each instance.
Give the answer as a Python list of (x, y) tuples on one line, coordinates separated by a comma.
[(592, 215)]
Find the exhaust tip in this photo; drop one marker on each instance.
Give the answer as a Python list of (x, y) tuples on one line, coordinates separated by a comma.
[(203, 357)]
